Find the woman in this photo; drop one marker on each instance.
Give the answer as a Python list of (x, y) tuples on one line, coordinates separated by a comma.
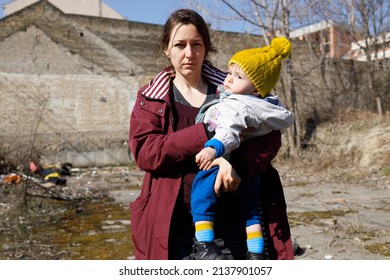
[(164, 140)]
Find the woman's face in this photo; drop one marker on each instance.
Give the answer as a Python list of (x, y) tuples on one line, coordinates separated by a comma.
[(186, 50)]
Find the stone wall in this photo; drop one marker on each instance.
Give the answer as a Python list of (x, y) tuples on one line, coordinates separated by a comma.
[(65, 88), (31, 51), (67, 114)]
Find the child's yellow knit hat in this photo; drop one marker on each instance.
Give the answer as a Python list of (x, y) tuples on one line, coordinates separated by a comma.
[(262, 65)]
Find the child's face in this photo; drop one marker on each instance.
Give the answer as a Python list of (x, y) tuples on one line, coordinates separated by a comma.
[(238, 82)]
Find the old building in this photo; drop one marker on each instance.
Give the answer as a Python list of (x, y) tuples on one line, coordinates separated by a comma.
[(376, 48), (68, 81), (86, 7), (336, 42), (333, 40)]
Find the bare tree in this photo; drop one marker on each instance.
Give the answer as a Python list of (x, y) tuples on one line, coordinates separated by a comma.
[(372, 17), (368, 26)]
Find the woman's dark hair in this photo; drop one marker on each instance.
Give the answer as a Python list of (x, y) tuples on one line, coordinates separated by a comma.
[(184, 17)]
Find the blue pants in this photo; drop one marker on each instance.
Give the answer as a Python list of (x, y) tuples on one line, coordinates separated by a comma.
[(203, 198)]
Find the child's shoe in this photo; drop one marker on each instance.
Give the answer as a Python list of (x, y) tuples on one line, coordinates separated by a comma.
[(206, 251), (254, 256)]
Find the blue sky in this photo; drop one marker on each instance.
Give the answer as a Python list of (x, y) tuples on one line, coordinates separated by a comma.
[(154, 11)]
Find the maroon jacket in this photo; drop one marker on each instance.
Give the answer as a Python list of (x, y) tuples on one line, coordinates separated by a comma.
[(159, 151)]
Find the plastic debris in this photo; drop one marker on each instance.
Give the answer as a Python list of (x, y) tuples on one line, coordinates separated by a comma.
[(328, 257), (12, 179)]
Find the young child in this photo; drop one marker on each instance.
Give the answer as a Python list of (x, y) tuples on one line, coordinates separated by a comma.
[(245, 109)]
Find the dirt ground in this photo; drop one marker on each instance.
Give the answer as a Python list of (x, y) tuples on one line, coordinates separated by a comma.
[(334, 213), (337, 192), (331, 217), (335, 217)]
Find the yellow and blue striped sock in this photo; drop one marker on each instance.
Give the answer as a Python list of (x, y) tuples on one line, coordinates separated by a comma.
[(255, 242), (204, 231)]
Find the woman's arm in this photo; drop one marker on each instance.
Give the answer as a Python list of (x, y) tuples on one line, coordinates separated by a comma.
[(254, 155), (154, 144)]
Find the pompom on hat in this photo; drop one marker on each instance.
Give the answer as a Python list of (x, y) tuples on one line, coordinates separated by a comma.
[(263, 65)]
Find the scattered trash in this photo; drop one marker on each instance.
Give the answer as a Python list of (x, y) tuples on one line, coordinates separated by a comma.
[(328, 257), (340, 200), (48, 185), (33, 167), (55, 178), (12, 179), (53, 173), (357, 239)]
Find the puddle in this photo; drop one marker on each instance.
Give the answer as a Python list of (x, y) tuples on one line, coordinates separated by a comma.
[(94, 231), (89, 230)]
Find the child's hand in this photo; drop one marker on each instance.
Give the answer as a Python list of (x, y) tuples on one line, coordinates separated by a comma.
[(205, 157)]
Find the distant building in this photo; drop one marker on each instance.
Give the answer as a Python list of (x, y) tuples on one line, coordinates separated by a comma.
[(85, 7), (380, 49), (333, 40), (336, 42)]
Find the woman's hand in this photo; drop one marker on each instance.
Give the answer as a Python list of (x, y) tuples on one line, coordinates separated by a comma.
[(227, 177)]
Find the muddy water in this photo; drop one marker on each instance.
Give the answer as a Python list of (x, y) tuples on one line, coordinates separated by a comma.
[(61, 230), (93, 229)]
